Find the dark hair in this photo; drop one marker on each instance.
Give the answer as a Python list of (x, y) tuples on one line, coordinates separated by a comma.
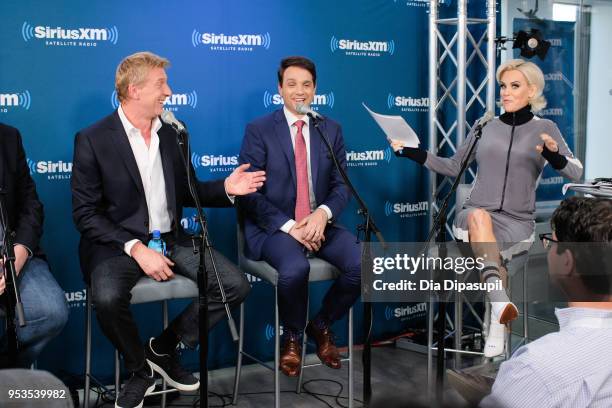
[(579, 219), (297, 61)]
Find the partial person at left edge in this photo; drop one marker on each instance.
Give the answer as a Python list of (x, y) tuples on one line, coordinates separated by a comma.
[(44, 302)]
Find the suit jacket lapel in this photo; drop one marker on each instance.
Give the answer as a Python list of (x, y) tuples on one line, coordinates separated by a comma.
[(167, 138), (124, 149), (284, 139)]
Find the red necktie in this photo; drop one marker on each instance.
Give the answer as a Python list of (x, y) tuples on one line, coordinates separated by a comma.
[(302, 201)]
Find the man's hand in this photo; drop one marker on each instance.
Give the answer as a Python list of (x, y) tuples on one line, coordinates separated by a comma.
[(242, 182), (314, 226), (297, 232), (2, 282), (21, 257), (549, 142), (152, 263)]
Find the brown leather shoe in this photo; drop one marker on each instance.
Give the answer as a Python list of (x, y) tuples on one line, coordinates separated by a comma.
[(326, 348), (291, 356)]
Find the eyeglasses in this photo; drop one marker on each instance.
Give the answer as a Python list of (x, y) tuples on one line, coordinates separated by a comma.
[(547, 240)]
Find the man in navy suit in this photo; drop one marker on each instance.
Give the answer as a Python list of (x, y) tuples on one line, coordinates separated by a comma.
[(294, 214), (129, 180)]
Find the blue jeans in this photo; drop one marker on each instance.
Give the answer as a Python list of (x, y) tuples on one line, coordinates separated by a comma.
[(44, 307)]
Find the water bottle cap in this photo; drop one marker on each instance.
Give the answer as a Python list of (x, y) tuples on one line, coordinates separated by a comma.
[(156, 234)]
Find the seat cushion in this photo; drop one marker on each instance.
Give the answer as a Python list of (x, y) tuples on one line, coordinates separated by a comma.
[(320, 270), (150, 290)]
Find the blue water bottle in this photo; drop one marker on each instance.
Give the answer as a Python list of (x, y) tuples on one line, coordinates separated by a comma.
[(157, 244)]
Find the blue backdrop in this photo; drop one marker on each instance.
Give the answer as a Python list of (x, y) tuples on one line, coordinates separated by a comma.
[(57, 67)]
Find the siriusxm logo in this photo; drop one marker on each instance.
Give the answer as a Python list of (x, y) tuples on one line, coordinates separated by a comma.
[(407, 209), (58, 170), (423, 3), (238, 42), (362, 48), (269, 331), (551, 180), (555, 42), (318, 100), (15, 100), (407, 103), (554, 76), (190, 225), (215, 163), (76, 299), (551, 112), (83, 37), (408, 312), (367, 157), (172, 103)]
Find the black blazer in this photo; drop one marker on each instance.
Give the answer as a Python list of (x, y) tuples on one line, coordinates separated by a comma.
[(23, 208), (108, 201)]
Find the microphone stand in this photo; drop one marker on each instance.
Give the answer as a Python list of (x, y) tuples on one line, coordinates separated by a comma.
[(14, 307), (368, 227), (438, 230), (202, 280)]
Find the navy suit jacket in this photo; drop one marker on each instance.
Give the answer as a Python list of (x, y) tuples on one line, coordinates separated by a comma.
[(109, 207), (267, 146), (24, 210)]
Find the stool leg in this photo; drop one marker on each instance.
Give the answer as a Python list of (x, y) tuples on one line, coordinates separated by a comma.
[(239, 358), (87, 351), (525, 305), (165, 323), (304, 344), (117, 375), (508, 334), (276, 351), (350, 356)]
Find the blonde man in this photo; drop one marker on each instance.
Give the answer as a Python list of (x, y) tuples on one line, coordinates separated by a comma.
[(128, 180)]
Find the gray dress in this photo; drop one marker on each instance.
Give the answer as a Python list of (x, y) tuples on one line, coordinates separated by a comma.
[(509, 170)]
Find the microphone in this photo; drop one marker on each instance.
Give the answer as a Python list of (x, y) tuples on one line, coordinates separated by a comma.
[(169, 118), (486, 118), (303, 109)]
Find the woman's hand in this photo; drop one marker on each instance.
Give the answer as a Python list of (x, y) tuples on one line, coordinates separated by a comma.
[(396, 145), (549, 142)]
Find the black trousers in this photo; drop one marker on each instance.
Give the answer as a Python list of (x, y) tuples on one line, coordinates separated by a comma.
[(113, 279)]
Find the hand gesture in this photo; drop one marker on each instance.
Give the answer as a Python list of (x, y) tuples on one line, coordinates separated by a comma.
[(549, 142), (242, 182)]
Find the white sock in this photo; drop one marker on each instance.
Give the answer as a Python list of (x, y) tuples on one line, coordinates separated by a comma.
[(499, 298)]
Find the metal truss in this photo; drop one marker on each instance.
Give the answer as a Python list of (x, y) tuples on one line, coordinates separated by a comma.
[(457, 46)]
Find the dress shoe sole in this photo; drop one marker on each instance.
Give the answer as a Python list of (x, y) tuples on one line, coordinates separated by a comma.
[(170, 381), (509, 314), (148, 392)]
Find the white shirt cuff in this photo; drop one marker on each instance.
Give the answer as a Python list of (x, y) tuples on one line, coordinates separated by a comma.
[(286, 227), (127, 247), (232, 198), (327, 211)]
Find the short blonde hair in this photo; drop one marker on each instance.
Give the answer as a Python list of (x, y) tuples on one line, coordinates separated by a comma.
[(134, 69), (534, 76)]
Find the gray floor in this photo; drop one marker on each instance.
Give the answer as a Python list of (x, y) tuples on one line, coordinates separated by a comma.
[(398, 380)]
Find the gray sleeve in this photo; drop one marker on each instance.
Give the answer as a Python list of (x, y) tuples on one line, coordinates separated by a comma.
[(573, 169), (450, 166)]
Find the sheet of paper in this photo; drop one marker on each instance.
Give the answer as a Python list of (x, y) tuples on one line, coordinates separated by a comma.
[(395, 127)]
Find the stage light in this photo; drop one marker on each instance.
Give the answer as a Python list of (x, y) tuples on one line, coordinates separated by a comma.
[(531, 44)]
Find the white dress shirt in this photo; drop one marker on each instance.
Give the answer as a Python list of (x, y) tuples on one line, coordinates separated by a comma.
[(571, 368), (291, 119), (148, 160)]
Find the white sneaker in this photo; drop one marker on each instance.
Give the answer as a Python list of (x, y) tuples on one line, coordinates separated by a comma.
[(496, 339), (503, 312)]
